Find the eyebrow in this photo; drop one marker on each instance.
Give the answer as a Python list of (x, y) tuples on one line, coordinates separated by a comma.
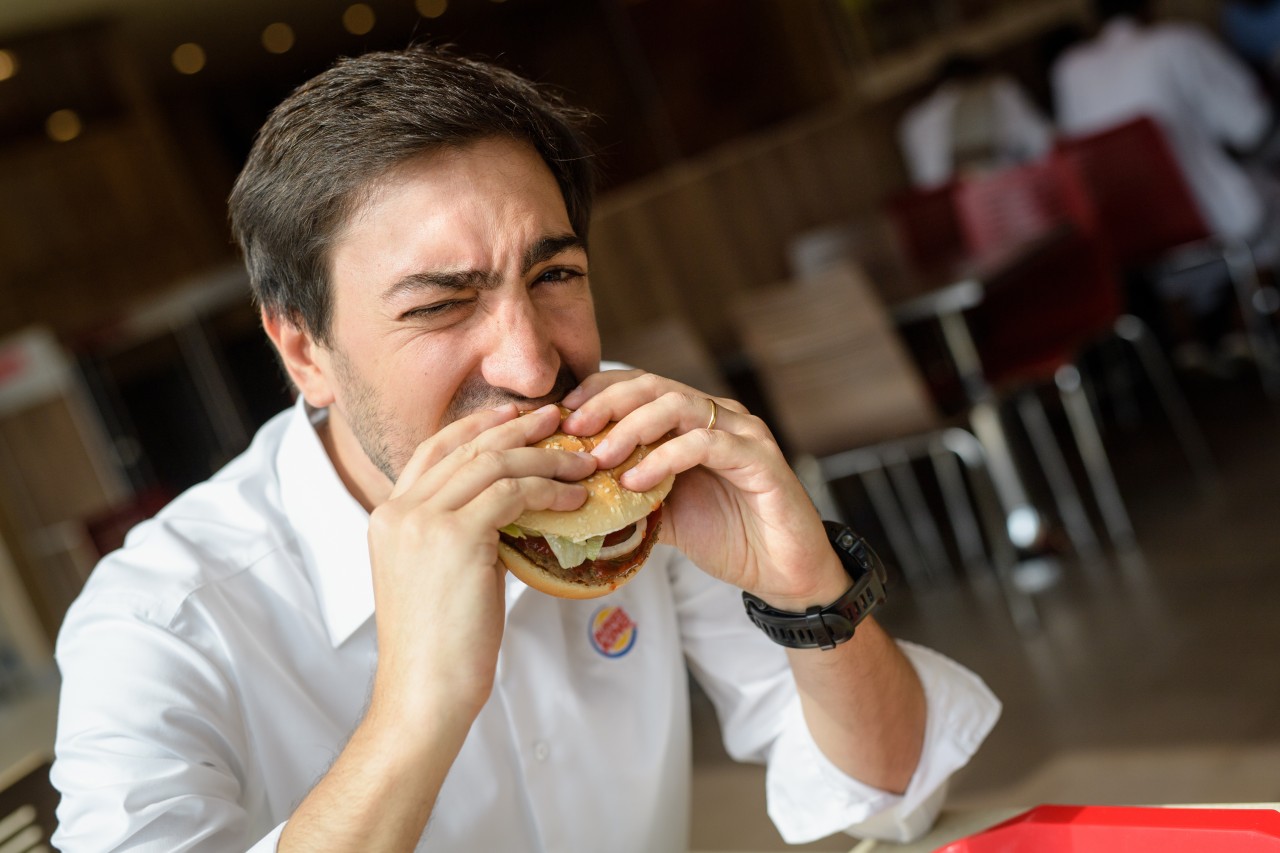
[(546, 248), (539, 251)]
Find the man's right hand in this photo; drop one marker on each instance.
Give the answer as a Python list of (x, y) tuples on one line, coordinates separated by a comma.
[(439, 595), (438, 583)]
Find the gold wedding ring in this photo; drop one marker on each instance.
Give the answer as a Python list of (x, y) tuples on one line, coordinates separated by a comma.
[(715, 412)]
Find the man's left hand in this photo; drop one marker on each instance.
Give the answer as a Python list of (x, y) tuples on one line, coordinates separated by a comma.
[(737, 509)]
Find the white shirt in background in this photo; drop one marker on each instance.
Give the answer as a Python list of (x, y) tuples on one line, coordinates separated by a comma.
[(214, 668), (1203, 97), (926, 134)]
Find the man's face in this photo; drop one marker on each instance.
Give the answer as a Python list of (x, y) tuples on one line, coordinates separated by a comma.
[(457, 285)]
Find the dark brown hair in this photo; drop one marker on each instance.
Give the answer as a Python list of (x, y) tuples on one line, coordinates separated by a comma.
[(325, 143)]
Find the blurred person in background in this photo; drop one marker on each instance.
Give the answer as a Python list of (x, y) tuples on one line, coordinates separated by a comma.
[(318, 648), (974, 120), (1213, 113)]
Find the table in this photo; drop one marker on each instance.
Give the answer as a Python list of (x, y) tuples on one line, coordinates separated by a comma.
[(956, 824)]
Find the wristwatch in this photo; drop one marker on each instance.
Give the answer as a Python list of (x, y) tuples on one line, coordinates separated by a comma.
[(827, 627)]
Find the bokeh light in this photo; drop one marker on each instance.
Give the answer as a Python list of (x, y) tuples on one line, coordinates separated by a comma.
[(63, 126), (9, 63), (277, 37), (188, 58), (358, 19), (431, 8)]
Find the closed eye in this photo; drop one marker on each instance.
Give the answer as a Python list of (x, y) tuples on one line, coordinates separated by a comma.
[(435, 310)]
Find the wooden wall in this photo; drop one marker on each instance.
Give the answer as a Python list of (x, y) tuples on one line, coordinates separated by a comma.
[(91, 226), (688, 239)]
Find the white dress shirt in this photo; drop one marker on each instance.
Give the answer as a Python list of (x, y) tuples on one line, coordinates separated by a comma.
[(1202, 96), (926, 134), (214, 668)]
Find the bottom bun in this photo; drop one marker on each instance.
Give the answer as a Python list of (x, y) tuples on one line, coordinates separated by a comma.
[(553, 584), (543, 581)]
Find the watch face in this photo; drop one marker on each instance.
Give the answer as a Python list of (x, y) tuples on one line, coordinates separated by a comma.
[(855, 554)]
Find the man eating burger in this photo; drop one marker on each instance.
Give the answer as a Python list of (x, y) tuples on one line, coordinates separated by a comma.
[(321, 648)]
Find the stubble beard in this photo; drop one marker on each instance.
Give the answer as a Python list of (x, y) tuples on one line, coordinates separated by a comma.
[(389, 445)]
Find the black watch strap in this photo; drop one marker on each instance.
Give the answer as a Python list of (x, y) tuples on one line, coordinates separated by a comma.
[(827, 627)]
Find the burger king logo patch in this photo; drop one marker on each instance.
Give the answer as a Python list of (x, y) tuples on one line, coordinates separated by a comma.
[(612, 631)]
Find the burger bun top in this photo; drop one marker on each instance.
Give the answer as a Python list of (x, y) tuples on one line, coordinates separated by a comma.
[(609, 506)]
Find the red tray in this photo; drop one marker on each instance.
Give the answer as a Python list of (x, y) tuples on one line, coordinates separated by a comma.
[(1104, 829)]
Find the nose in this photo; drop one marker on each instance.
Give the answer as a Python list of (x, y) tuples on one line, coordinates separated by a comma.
[(520, 355)]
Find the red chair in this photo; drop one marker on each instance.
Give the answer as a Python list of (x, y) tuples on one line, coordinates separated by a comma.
[(1062, 298), (927, 226), (1035, 322), (1150, 220), (929, 237)]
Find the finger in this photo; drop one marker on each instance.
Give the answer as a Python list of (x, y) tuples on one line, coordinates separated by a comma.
[(463, 485), (677, 412), (613, 400), (594, 384), (502, 502), (736, 458), (466, 438)]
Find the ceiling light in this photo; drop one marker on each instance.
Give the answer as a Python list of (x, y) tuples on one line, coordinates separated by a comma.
[(358, 19), (63, 125), (277, 38), (188, 58), (431, 8), (9, 62)]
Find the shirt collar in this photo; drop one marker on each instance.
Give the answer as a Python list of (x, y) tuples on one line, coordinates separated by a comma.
[(331, 526)]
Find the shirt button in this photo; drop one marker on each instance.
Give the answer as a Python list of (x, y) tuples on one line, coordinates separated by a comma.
[(541, 751)]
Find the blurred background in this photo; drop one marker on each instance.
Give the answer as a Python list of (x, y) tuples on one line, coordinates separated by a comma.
[(795, 195)]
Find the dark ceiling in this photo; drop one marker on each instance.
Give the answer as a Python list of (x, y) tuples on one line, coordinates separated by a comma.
[(665, 78)]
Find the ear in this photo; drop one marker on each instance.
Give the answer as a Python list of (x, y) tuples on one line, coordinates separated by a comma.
[(307, 362)]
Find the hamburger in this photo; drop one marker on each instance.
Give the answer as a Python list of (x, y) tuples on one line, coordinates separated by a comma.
[(593, 550)]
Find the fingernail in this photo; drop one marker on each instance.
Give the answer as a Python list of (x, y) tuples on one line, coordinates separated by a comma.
[(628, 479), (600, 449), (570, 400)]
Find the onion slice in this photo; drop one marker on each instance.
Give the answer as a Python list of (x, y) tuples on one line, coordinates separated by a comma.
[(612, 552)]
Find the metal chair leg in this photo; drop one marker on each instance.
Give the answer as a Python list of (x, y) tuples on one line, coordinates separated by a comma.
[(898, 464), (1022, 519), (1119, 379), (964, 524), (1134, 332), (895, 526), (1262, 336), (1063, 487), (809, 472), (969, 450), (1094, 456)]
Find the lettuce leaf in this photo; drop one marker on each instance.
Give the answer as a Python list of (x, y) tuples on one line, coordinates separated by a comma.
[(570, 553)]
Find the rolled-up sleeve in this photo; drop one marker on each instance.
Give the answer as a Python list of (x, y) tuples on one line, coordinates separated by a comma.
[(810, 798), (751, 686)]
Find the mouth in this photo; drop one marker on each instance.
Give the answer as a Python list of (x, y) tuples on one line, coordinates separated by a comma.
[(477, 395)]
